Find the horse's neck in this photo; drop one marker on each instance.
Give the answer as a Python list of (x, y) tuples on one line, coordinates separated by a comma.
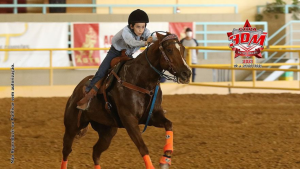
[(143, 74)]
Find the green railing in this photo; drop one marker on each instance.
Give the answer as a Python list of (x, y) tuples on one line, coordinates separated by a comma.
[(94, 6), (286, 7)]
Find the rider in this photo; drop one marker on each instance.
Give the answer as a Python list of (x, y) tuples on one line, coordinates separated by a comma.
[(132, 37)]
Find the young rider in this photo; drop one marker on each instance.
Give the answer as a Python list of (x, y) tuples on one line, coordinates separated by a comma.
[(132, 37)]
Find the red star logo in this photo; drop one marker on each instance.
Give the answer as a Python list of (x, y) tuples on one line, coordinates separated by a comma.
[(247, 24)]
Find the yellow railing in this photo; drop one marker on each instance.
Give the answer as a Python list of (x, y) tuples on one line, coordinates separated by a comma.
[(205, 66), (231, 66), (50, 68)]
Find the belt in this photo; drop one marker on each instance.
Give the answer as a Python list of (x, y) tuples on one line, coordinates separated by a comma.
[(113, 48)]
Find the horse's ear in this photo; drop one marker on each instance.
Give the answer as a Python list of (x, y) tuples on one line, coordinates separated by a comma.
[(159, 36), (168, 33)]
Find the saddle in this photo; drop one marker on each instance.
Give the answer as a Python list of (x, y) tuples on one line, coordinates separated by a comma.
[(115, 66), (102, 85)]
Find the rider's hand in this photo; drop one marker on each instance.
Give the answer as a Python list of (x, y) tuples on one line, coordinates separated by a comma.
[(149, 40)]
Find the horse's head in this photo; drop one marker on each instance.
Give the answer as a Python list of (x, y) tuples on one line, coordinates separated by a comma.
[(172, 57)]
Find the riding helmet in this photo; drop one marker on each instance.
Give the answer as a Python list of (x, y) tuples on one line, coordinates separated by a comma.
[(138, 16)]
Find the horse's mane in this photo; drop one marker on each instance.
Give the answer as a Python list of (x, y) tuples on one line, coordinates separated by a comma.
[(150, 47)]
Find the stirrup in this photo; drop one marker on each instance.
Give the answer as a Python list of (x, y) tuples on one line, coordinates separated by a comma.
[(87, 106)]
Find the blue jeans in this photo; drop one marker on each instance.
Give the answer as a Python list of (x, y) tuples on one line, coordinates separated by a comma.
[(193, 74), (105, 65)]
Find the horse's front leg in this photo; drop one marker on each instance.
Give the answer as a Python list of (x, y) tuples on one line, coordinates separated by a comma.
[(131, 125), (159, 120)]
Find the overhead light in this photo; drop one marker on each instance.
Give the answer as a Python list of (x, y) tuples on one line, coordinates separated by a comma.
[(177, 10)]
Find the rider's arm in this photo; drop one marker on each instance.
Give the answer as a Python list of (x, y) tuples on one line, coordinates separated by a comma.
[(130, 40)]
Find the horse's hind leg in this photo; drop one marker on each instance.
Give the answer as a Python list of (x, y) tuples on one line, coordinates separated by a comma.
[(106, 134), (67, 144), (70, 133), (71, 130)]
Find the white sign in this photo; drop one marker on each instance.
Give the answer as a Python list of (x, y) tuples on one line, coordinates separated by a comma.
[(32, 36)]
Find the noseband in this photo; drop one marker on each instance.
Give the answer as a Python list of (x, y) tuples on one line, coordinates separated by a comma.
[(171, 66)]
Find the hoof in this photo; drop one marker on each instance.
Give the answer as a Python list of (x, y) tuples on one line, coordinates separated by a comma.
[(97, 167), (64, 164), (164, 166)]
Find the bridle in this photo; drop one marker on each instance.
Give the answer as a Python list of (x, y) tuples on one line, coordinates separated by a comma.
[(171, 66)]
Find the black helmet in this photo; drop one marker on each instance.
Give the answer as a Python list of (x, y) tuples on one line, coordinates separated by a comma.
[(138, 16)]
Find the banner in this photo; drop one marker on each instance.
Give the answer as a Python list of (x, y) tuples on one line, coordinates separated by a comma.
[(85, 35), (33, 35), (178, 28)]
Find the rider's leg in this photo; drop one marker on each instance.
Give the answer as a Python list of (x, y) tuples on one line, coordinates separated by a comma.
[(93, 87)]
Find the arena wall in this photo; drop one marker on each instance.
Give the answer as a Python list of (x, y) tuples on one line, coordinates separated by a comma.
[(72, 77), (246, 10), (90, 17)]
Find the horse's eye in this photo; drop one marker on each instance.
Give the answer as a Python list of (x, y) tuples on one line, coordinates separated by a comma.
[(169, 50)]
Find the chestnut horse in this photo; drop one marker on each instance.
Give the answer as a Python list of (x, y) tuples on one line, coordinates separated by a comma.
[(129, 107)]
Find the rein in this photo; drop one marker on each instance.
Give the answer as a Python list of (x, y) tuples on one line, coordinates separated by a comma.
[(151, 109), (171, 69)]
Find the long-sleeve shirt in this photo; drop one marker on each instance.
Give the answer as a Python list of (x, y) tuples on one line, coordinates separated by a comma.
[(126, 39)]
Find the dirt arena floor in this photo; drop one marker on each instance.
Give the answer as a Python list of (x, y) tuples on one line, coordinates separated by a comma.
[(234, 131)]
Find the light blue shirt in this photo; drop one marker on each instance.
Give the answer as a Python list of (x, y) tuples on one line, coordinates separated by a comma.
[(126, 39)]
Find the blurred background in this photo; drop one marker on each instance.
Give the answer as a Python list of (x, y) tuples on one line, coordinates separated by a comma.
[(226, 117), (54, 24)]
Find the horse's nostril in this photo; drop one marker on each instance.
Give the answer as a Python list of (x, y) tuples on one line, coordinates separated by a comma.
[(184, 74)]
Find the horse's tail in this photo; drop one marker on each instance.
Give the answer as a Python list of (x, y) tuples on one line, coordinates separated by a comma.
[(82, 132)]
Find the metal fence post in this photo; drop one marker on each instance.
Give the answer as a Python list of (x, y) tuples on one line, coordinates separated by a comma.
[(15, 8)]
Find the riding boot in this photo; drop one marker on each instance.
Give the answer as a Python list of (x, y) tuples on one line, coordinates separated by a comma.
[(84, 103)]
